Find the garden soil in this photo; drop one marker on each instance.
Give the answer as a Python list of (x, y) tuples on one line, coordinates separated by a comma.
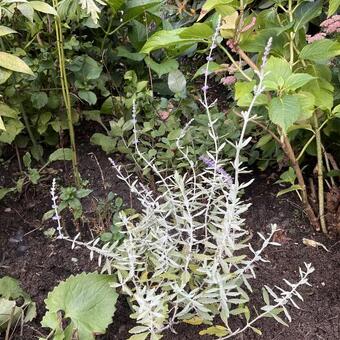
[(40, 263)]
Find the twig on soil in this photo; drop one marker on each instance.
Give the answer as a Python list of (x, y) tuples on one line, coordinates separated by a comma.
[(100, 169)]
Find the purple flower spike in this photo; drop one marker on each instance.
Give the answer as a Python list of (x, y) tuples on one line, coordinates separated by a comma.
[(210, 163), (209, 58), (205, 88)]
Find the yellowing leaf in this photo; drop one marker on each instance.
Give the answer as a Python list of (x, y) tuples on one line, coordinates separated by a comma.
[(13, 63), (43, 7), (215, 330), (196, 320)]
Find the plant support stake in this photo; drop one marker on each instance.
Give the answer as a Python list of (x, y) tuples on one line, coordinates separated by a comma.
[(66, 94)]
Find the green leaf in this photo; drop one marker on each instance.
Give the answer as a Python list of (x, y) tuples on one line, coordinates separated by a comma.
[(4, 30), (307, 103), (81, 193), (39, 99), (123, 52), (13, 63), (294, 187), (209, 5), (43, 7), (167, 39), (212, 68), (297, 80), (27, 159), (107, 143), (256, 330), (62, 154), (135, 8), (26, 10), (87, 300), (284, 111), (88, 96), (320, 86), (7, 111), (162, 68), (34, 176), (13, 128), (115, 5), (4, 75), (243, 92), (177, 82), (277, 70), (333, 7), (2, 125), (306, 12), (321, 50), (5, 191)]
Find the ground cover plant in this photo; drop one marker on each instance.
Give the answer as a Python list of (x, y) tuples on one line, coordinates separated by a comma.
[(183, 98)]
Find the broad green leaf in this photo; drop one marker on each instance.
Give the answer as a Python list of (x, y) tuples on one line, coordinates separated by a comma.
[(284, 111), (321, 50), (210, 5), (197, 32), (63, 154), (277, 70), (8, 310), (307, 102), (167, 39), (7, 111), (115, 5), (176, 81), (305, 12), (34, 176), (135, 8), (4, 30), (87, 300), (13, 63), (5, 191), (212, 68), (39, 99), (264, 140), (336, 111), (43, 7), (89, 96), (333, 7), (26, 10), (297, 80), (243, 92), (320, 86), (4, 75), (195, 321), (13, 128), (107, 143), (162, 68), (123, 52)]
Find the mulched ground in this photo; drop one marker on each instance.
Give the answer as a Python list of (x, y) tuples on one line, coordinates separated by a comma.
[(41, 263)]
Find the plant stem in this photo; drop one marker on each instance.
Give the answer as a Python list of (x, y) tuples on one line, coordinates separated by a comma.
[(288, 150), (291, 35), (28, 126), (321, 197), (66, 94), (233, 61)]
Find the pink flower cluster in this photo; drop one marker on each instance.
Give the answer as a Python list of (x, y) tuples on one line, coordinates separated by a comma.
[(331, 25), (229, 80), (249, 26), (318, 36)]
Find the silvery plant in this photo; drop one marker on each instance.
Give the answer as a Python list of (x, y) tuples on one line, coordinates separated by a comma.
[(188, 257)]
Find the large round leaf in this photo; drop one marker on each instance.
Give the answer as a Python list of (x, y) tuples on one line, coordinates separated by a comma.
[(87, 300)]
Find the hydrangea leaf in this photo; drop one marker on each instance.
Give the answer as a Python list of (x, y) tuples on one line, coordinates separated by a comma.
[(285, 111), (87, 300)]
